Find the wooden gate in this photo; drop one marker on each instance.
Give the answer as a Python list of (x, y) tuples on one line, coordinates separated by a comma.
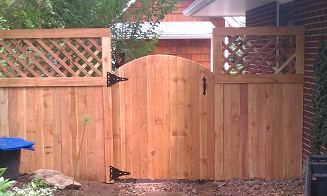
[(163, 121)]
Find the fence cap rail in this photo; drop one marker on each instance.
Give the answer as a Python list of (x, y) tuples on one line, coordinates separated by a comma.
[(227, 31), (54, 33), (52, 82), (259, 79)]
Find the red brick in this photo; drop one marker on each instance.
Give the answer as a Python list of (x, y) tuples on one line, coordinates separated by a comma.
[(312, 15), (262, 16)]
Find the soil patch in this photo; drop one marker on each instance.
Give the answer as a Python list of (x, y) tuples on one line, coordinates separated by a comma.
[(243, 187)]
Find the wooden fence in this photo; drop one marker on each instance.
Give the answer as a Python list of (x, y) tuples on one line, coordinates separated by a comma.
[(258, 103), (158, 124), (49, 80)]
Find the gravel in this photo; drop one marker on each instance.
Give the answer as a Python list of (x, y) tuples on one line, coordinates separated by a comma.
[(238, 187)]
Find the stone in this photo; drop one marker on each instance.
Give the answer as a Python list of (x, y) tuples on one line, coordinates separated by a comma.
[(160, 193), (257, 187), (56, 178), (250, 183)]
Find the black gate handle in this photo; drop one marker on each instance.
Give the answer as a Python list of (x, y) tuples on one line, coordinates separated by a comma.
[(204, 79)]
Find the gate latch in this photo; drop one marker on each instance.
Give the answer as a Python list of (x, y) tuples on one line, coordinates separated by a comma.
[(113, 79), (115, 173)]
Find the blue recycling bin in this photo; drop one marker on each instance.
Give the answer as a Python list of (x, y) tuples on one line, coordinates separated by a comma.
[(10, 155)]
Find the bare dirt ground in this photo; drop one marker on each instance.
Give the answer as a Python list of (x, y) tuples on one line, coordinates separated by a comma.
[(232, 187)]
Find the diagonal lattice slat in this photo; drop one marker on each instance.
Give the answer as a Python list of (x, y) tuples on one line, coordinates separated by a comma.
[(61, 57), (259, 54)]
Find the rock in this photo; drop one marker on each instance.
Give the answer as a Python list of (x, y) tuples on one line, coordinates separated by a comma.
[(158, 193), (257, 187), (250, 183), (56, 178)]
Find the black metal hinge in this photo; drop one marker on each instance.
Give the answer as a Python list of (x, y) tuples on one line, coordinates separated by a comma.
[(115, 173), (113, 79)]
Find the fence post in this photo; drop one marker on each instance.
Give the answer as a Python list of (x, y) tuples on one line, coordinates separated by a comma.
[(217, 53), (106, 55), (107, 67)]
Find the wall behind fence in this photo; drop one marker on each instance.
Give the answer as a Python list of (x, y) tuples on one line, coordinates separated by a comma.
[(49, 80)]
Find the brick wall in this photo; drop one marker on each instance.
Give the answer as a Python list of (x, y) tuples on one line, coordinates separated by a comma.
[(197, 50), (262, 16), (312, 15)]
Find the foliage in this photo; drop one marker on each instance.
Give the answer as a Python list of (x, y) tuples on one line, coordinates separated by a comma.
[(319, 131), (132, 24), (5, 184), (36, 187), (238, 42), (29, 14), (3, 24)]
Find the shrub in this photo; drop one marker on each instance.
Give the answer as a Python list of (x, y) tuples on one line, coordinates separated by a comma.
[(319, 131), (36, 187), (5, 184)]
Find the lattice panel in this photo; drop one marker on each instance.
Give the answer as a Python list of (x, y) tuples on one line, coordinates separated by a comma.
[(78, 57), (259, 54)]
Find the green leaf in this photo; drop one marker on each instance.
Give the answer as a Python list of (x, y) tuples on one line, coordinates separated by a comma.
[(2, 171)]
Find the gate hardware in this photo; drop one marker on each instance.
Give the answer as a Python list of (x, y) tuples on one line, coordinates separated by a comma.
[(113, 79), (204, 79), (115, 173)]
